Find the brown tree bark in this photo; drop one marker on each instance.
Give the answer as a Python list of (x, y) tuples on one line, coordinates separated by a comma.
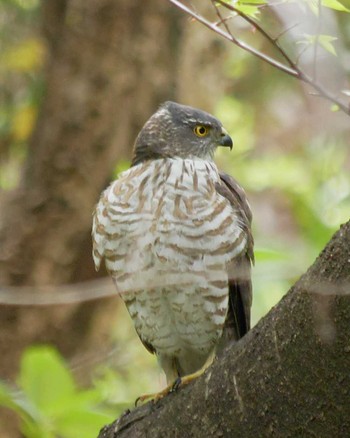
[(288, 377), (108, 70)]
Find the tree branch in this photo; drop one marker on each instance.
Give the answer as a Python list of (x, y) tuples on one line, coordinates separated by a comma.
[(291, 67), (214, 27), (286, 377)]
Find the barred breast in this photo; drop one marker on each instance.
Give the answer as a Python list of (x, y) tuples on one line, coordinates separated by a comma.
[(167, 236)]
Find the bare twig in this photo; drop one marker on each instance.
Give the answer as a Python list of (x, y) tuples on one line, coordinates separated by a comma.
[(289, 67), (285, 31), (261, 30), (233, 39)]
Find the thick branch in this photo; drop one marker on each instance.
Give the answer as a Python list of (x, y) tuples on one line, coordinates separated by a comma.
[(287, 377)]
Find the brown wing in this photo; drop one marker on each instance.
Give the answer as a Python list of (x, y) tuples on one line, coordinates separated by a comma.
[(239, 276)]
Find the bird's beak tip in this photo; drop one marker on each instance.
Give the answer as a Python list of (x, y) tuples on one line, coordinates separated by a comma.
[(225, 139)]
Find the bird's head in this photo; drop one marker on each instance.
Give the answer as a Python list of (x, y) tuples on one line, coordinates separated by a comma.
[(180, 131)]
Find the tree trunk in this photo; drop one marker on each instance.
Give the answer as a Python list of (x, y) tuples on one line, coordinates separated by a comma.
[(288, 377)]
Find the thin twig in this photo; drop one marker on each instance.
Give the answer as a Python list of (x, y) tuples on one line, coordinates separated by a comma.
[(288, 29), (292, 68), (261, 30), (234, 40), (300, 54), (222, 19)]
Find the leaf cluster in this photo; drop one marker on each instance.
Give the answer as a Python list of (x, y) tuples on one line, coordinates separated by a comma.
[(49, 402)]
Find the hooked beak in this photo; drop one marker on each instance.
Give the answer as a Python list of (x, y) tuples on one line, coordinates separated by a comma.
[(225, 139)]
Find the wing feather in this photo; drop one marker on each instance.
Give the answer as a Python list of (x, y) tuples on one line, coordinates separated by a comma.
[(237, 321)]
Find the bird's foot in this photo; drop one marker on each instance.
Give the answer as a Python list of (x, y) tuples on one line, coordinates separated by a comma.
[(157, 395), (179, 381), (185, 380), (190, 377)]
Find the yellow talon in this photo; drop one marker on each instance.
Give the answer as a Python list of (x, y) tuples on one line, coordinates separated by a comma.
[(155, 396), (176, 383)]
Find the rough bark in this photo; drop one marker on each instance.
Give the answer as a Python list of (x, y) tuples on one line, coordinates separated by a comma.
[(288, 377)]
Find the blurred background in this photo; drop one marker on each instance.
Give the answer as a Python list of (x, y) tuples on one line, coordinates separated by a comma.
[(78, 80)]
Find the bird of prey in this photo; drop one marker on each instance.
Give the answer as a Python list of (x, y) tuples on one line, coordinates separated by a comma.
[(175, 234)]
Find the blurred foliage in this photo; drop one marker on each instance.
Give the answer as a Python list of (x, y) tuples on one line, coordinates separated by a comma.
[(296, 175), (312, 183), (22, 57), (48, 401)]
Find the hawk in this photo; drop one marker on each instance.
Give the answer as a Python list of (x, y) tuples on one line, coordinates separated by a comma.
[(175, 234)]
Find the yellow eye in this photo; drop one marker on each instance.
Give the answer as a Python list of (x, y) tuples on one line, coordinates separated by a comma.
[(201, 130)]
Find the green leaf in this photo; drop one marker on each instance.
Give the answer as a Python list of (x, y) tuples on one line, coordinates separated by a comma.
[(36, 430), (7, 399), (335, 4), (253, 2), (250, 11), (44, 378), (248, 7), (50, 404), (14, 400), (314, 5), (308, 40), (326, 42), (82, 423)]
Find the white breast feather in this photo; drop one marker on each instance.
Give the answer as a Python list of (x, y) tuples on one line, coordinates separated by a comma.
[(144, 241)]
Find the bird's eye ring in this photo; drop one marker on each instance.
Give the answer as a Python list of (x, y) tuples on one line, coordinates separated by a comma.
[(201, 130)]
